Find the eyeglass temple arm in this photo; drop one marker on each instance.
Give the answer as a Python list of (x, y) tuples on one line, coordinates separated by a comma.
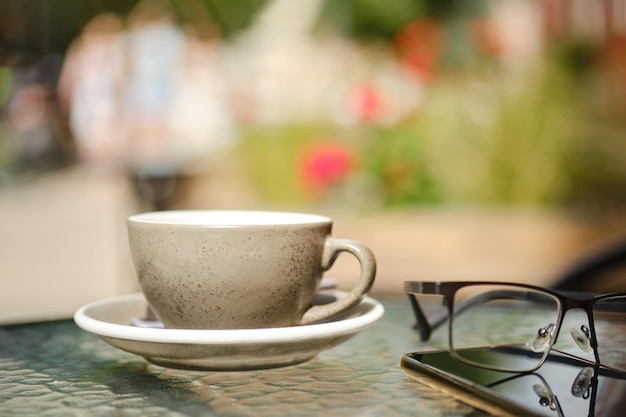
[(426, 324)]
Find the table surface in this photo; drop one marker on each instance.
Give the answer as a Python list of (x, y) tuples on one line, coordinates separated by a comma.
[(55, 368)]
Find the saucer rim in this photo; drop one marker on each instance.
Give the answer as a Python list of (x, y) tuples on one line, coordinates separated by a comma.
[(104, 328)]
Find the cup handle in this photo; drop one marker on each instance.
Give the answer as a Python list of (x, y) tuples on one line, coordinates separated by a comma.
[(332, 248)]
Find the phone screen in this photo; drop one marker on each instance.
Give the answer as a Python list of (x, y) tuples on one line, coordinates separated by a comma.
[(562, 386)]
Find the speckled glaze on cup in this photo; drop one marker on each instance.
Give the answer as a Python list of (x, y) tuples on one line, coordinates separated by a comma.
[(229, 269)]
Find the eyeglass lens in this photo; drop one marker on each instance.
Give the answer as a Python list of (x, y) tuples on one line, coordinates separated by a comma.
[(507, 317), (609, 316)]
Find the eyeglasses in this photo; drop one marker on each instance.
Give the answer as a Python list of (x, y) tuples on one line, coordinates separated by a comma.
[(486, 320)]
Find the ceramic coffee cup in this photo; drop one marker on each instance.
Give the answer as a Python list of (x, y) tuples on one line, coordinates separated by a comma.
[(240, 269)]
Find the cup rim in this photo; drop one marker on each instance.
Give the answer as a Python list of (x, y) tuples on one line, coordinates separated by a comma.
[(227, 218)]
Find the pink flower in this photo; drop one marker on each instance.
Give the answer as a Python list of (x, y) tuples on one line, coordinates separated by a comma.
[(325, 165), (366, 102)]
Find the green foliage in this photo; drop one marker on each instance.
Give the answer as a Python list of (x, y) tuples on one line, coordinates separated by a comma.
[(381, 20), (478, 142), (370, 19), (234, 16), (396, 157)]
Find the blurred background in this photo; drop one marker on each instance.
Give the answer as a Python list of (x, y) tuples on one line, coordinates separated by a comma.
[(471, 139)]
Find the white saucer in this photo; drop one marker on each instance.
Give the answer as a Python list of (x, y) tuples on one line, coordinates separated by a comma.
[(222, 350)]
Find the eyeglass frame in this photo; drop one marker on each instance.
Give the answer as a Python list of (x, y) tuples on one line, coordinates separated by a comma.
[(567, 300)]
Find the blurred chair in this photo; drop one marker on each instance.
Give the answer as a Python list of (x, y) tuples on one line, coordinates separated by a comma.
[(600, 271)]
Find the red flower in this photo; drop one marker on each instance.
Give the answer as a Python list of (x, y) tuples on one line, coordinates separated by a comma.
[(419, 45), (325, 165)]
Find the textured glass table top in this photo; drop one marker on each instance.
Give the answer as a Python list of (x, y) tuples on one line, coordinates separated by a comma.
[(57, 369)]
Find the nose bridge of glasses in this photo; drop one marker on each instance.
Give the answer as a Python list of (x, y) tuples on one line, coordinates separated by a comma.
[(579, 330), (578, 323)]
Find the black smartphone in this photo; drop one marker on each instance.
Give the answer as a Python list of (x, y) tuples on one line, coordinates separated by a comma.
[(561, 387)]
